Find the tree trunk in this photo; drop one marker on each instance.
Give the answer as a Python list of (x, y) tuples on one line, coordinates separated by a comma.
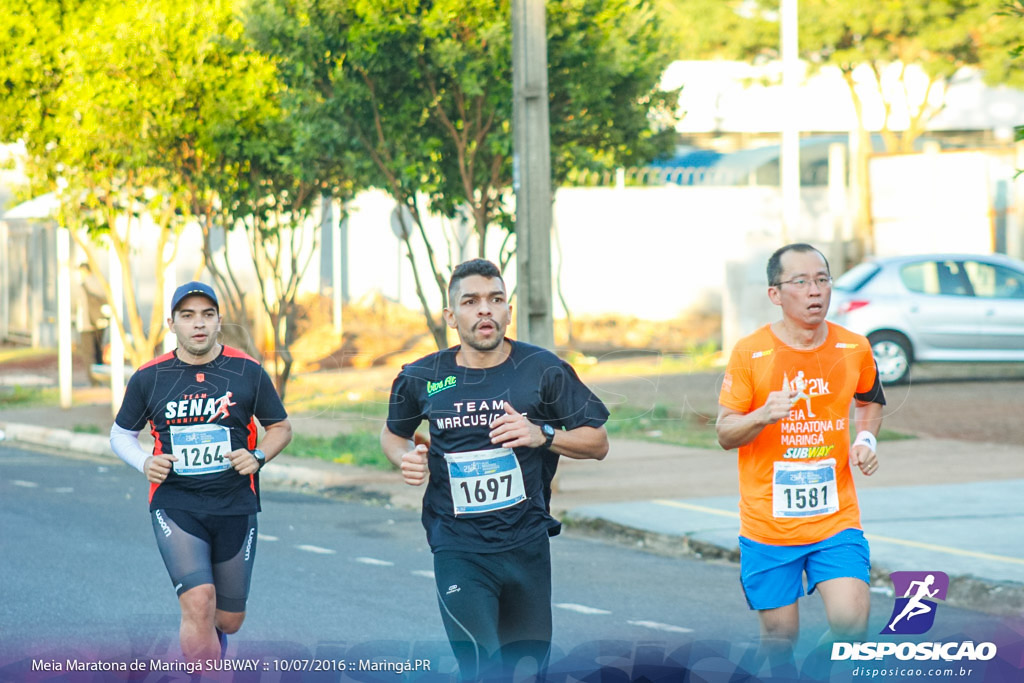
[(860, 181)]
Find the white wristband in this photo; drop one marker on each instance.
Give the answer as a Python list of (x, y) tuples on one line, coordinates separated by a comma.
[(868, 439)]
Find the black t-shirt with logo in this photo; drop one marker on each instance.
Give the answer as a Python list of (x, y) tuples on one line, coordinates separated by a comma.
[(459, 403), (200, 413)]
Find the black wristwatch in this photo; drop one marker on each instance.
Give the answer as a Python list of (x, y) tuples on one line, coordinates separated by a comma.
[(260, 456), (549, 435)]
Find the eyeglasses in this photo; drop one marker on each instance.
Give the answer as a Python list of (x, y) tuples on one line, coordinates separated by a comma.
[(804, 283)]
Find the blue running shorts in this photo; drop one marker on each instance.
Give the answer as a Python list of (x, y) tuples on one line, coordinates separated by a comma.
[(772, 575)]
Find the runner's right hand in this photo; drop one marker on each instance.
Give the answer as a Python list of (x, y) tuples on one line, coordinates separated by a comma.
[(778, 405), (414, 465), (157, 467)]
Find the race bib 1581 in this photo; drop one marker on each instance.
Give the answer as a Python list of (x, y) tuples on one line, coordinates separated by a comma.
[(802, 489)]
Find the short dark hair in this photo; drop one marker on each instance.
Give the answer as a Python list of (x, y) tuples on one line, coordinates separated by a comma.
[(477, 266), (775, 262)]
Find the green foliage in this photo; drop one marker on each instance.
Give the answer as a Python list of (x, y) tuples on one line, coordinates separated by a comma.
[(35, 56), (87, 429), (356, 448), (161, 107), (939, 36), (112, 122), (424, 92), (244, 113), (682, 426), (1014, 9), (666, 424), (605, 59), (718, 29), (19, 396)]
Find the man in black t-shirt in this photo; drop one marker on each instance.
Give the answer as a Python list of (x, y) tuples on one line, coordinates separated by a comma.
[(201, 402), (499, 411)]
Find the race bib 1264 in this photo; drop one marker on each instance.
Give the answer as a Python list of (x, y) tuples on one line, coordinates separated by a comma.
[(200, 449)]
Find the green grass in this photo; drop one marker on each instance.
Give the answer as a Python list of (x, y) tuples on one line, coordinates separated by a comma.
[(324, 404), (356, 448), (664, 424), (86, 429), (892, 435), (24, 397), (674, 425), (698, 358)]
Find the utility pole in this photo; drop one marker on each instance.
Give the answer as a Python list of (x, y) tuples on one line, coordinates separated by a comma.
[(789, 158), (532, 173), (114, 270), (64, 368)]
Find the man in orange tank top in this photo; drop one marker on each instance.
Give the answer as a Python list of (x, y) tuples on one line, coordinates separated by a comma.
[(785, 404)]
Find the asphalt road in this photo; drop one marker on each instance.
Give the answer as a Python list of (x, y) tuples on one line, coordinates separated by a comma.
[(82, 579)]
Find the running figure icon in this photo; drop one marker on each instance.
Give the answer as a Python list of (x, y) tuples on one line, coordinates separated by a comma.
[(915, 606), (221, 407), (799, 385)]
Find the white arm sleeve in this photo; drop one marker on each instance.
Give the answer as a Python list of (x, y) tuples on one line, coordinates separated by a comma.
[(127, 447)]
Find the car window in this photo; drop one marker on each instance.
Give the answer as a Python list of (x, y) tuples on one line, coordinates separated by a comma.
[(921, 277), (856, 277), (995, 282), (937, 277)]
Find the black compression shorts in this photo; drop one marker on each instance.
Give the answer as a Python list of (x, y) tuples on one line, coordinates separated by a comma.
[(496, 607), (215, 549)]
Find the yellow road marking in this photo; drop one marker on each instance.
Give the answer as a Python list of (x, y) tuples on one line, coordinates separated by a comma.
[(945, 549), (698, 508), (871, 537)]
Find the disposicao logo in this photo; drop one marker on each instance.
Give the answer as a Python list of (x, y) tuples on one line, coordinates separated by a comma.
[(914, 613)]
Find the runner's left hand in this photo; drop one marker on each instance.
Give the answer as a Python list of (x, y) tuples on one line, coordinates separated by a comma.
[(513, 430), (244, 461), (864, 458)]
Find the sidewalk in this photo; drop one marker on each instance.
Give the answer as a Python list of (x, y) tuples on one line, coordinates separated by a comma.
[(936, 504)]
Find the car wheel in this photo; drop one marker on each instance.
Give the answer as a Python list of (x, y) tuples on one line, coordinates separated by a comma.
[(892, 355)]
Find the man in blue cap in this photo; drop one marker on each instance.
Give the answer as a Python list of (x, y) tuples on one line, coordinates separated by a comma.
[(201, 402)]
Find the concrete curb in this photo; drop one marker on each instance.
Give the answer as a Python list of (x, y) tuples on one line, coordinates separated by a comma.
[(341, 481), (53, 438)]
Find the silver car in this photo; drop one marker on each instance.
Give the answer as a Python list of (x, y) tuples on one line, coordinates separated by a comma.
[(934, 307)]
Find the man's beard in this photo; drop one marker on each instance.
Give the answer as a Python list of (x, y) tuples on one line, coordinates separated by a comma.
[(489, 345)]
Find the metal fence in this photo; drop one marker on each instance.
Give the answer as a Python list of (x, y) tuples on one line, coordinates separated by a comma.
[(28, 282)]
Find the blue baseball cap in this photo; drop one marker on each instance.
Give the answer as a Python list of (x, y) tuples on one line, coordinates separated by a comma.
[(190, 288)]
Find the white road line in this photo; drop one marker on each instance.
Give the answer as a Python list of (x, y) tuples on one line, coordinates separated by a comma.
[(375, 562), (261, 537), (425, 573), (658, 626), (580, 609), (24, 484), (317, 549)]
